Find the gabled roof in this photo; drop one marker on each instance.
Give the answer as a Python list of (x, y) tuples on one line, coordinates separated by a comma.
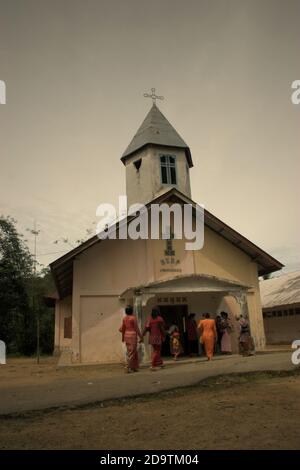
[(281, 290), (62, 268), (156, 130)]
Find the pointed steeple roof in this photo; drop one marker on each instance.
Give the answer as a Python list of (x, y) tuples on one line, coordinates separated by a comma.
[(156, 130)]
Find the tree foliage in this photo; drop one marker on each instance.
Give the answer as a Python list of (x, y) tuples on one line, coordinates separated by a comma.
[(21, 295)]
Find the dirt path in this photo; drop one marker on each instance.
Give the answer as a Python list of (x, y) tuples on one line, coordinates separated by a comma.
[(26, 386), (254, 411)]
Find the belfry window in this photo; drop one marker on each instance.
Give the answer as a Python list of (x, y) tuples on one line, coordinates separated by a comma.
[(137, 164), (168, 169)]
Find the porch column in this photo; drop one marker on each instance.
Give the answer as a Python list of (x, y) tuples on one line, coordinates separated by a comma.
[(137, 307), (138, 311), (241, 298), (244, 305)]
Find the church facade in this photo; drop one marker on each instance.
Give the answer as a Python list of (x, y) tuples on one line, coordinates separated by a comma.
[(96, 280)]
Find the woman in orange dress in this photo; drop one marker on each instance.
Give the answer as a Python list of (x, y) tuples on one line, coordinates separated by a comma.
[(130, 334), (208, 335)]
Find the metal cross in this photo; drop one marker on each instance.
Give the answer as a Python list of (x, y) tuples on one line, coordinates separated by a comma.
[(153, 96)]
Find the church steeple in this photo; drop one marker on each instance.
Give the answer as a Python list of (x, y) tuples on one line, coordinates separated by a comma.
[(157, 158), (156, 130)]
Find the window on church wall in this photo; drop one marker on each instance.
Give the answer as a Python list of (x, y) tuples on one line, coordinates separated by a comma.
[(137, 164), (168, 169)]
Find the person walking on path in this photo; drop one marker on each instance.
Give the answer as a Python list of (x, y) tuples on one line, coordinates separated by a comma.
[(155, 326), (208, 335), (130, 334)]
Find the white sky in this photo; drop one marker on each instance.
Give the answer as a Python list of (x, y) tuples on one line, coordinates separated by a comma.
[(75, 73)]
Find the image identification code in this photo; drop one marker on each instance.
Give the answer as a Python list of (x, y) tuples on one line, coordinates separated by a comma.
[(150, 459)]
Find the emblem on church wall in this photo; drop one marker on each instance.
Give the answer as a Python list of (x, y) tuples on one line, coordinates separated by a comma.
[(170, 263)]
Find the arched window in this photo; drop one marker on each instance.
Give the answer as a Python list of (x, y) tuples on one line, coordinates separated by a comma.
[(168, 169)]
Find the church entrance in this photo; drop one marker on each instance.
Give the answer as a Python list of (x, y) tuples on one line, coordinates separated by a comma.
[(179, 314)]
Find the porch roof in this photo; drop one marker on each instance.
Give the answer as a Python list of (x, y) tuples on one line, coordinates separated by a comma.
[(191, 283)]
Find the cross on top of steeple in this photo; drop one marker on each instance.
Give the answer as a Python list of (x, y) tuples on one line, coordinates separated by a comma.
[(156, 130), (153, 96)]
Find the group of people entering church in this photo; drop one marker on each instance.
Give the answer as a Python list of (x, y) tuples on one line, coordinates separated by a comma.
[(212, 336)]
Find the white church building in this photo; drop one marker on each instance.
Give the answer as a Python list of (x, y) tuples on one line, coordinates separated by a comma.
[(97, 279)]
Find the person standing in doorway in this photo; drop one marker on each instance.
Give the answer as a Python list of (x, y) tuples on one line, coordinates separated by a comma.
[(226, 330), (219, 332), (130, 334), (192, 335), (208, 335), (175, 341), (155, 326)]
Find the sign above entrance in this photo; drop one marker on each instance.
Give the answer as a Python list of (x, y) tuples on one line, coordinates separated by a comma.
[(172, 300)]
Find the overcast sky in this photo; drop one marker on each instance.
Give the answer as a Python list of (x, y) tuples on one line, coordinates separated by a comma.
[(76, 71)]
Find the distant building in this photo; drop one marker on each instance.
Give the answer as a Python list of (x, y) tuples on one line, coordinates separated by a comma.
[(280, 299)]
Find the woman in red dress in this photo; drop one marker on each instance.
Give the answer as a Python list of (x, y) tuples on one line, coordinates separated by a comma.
[(155, 325), (130, 333)]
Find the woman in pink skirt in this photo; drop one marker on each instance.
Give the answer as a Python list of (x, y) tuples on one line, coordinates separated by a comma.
[(130, 334)]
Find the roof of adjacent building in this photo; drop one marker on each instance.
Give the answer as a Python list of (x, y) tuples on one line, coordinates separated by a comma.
[(281, 290), (62, 268), (156, 130)]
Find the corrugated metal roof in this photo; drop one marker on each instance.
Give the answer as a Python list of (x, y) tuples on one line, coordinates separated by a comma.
[(282, 290), (156, 130)]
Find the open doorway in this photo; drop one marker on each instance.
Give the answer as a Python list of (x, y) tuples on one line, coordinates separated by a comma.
[(178, 313)]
